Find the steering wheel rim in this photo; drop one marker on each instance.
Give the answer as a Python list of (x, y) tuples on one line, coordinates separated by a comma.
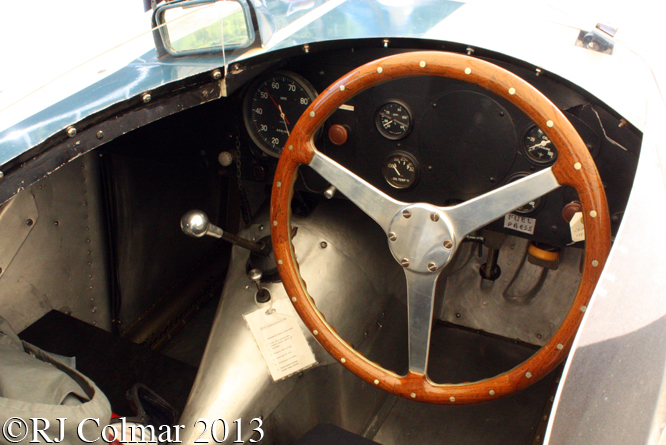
[(574, 167)]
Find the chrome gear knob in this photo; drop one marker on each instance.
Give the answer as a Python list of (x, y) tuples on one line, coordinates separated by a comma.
[(195, 223)]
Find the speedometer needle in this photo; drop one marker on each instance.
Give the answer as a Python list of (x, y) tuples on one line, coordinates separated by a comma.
[(284, 119), (279, 108)]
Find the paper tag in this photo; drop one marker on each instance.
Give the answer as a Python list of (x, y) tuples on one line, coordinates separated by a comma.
[(577, 227), (519, 223), (281, 341)]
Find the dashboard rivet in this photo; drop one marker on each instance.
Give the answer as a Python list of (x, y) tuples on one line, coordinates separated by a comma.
[(577, 166), (404, 262), (342, 87), (280, 262), (595, 263), (376, 382), (100, 134), (275, 223), (528, 375), (447, 243), (380, 69), (406, 213), (217, 74), (146, 97), (468, 71), (432, 266), (583, 308), (422, 64), (550, 124), (512, 91), (293, 299), (453, 399), (71, 132), (413, 395), (323, 245), (343, 360), (434, 216), (593, 213), (312, 114), (560, 346), (491, 392), (279, 184), (291, 147), (315, 332), (392, 236)]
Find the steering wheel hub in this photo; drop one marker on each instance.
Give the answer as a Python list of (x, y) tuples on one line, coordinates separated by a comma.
[(421, 238)]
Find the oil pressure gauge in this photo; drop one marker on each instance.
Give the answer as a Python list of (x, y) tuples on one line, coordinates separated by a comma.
[(538, 148), (393, 120), (400, 170)]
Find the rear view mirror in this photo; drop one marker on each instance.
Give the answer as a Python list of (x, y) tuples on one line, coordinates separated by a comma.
[(200, 26)]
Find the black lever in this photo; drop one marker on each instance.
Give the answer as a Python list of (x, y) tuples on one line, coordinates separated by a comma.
[(195, 223)]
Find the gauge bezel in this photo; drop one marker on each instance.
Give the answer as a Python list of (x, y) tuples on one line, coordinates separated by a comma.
[(252, 91), (412, 159), (523, 146), (381, 129)]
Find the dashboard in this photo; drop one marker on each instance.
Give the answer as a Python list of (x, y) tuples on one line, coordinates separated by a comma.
[(438, 140)]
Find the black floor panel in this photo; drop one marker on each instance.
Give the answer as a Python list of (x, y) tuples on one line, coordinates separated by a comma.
[(459, 355)]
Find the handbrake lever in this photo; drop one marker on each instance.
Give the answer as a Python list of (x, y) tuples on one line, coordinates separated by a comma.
[(196, 223)]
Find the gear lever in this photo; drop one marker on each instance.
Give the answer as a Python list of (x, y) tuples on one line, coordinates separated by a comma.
[(195, 223)]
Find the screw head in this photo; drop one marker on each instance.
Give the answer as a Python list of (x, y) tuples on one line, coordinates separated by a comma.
[(434, 216), (404, 262), (146, 97), (217, 74), (406, 213), (392, 236), (432, 266), (447, 244), (71, 132), (100, 134)]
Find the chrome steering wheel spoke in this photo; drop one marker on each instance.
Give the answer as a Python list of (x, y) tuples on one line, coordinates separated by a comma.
[(376, 204), (484, 209), (420, 305)]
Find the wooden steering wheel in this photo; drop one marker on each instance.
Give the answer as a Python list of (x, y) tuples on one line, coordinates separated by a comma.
[(423, 238)]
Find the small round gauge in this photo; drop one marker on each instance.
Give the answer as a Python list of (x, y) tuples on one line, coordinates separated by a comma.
[(538, 147), (400, 170), (393, 120), (272, 106)]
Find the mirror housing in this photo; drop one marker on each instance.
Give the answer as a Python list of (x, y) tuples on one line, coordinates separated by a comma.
[(204, 26)]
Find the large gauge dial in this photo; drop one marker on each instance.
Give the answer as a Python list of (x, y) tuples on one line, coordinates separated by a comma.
[(538, 147), (393, 120), (272, 106), (400, 170)]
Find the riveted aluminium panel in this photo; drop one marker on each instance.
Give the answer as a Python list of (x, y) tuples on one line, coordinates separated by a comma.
[(62, 262)]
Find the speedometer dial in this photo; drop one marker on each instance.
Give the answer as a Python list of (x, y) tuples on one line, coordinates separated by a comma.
[(272, 106)]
